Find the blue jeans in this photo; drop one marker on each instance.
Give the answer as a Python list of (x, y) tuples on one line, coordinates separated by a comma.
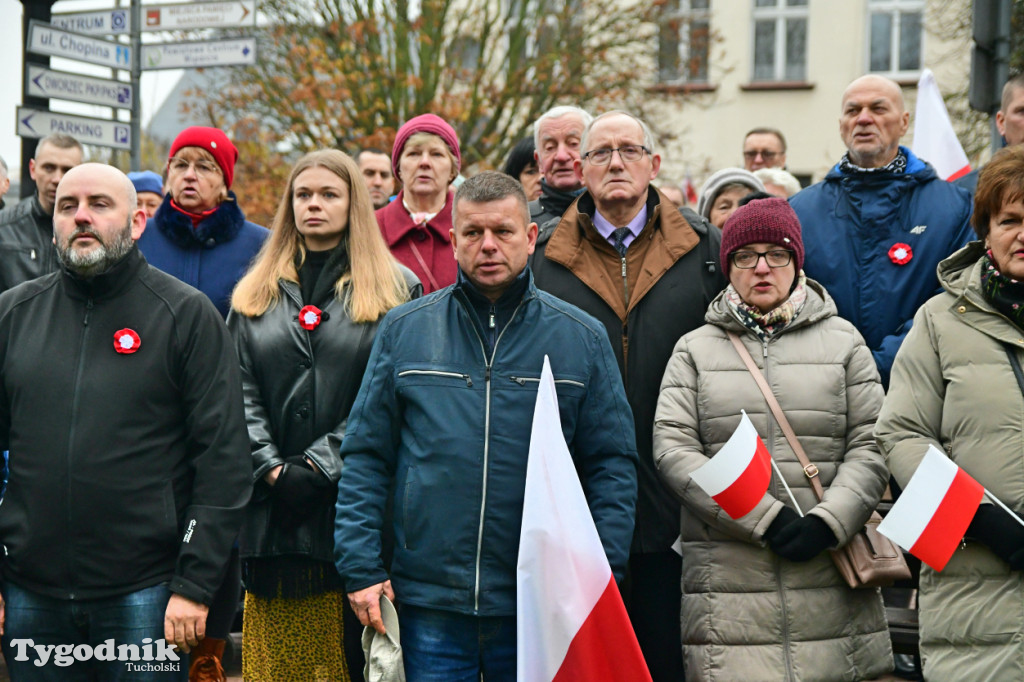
[(441, 646), (71, 638)]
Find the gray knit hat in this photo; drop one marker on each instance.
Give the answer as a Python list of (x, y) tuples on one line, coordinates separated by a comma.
[(711, 188)]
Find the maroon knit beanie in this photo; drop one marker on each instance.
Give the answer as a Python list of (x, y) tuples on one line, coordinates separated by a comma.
[(770, 221), (426, 123), (214, 141)]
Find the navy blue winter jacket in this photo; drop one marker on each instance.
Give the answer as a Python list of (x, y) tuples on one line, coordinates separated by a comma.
[(211, 257), (449, 424), (851, 222)]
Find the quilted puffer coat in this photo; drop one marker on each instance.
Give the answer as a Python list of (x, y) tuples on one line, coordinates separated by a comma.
[(748, 614)]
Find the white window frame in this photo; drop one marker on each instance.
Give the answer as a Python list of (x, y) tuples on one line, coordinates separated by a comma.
[(779, 13), (895, 8), (687, 15)]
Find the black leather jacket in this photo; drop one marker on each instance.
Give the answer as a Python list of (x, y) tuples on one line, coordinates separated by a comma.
[(299, 387), (26, 243)]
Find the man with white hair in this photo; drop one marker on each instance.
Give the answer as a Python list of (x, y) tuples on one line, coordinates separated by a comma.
[(647, 271), (556, 135), (121, 405)]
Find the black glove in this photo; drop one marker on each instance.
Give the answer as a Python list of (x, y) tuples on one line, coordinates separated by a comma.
[(1001, 533), (802, 539), (299, 490), (784, 518)]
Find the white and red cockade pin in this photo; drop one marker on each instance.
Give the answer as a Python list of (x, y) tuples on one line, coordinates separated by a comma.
[(126, 341), (309, 317), (900, 253)]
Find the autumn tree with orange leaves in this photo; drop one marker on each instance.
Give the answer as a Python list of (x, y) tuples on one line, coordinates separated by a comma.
[(347, 73)]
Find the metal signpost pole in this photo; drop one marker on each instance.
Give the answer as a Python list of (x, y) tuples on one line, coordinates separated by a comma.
[(136, 110)]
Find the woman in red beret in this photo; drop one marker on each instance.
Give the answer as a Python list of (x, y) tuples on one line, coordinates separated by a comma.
[(426, 158)]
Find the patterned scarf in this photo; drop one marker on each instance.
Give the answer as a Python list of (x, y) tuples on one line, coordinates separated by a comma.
[(766, 325), (1005, 293), (897, 165)]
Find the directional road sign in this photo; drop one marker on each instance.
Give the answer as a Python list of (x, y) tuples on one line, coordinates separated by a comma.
[(77, 88), (107, 22), (205, 53), (40, 123), (199, 15), (45, 39)]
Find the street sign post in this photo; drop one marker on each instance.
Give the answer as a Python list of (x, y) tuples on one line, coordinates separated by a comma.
[(55, 42), (42, 82), (240, 13), (234, 51), (37, 123), (106, 22)]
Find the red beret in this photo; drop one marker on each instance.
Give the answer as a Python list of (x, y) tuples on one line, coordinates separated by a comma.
[(212, 140)]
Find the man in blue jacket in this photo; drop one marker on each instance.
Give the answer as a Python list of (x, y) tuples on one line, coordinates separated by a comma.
[(443, 416), (879, 223)]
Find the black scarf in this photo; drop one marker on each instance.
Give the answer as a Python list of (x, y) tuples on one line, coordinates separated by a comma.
[(1005, 293), (321, 271)]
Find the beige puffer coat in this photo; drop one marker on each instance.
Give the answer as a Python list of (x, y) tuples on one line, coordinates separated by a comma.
[(953, 387), (748, 614)]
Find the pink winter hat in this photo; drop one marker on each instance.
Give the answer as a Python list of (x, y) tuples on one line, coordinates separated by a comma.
[(426, 123)]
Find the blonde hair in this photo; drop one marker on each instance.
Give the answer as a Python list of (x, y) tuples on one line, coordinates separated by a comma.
[(374, 283)]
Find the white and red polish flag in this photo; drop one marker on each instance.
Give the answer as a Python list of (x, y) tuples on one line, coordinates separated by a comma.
[(571, 623), (737, 477), (932, 513), (935, 141)]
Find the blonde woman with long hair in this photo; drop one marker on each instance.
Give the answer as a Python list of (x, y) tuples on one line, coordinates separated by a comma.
[(303, 319)]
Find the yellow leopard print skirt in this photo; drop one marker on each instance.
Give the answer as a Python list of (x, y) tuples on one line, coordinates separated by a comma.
[(294, 640)]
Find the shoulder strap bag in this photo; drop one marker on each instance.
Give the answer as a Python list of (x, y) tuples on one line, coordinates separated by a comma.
[(869, 559)]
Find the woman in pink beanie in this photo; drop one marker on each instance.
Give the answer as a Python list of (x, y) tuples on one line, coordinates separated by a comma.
[(416, 225), (773, 562)]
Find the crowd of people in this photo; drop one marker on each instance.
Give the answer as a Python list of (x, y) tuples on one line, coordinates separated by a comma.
[(332, 415)]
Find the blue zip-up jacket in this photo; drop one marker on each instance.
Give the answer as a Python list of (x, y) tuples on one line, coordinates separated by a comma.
[(448, 424), (212, 256), (851, 221)]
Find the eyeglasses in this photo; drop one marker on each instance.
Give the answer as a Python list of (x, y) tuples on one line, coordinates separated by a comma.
[(628, 153), (776, 258), (765, 154), (202, 167)]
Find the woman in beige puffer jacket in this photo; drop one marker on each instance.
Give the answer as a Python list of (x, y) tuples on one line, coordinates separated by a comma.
[(748, 613), (953, 386)]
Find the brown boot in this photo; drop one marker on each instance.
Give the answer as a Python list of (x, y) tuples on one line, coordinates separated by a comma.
[(206, 661)]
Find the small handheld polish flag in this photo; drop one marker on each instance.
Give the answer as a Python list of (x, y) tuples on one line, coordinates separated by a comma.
[(932, 514), (737, 477)]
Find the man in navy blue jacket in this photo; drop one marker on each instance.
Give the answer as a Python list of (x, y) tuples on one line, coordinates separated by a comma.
[(443, 416), (879, 223)]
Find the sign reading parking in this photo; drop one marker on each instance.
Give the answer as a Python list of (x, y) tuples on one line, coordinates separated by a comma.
[(55, 42), (39, 123), (77, 88), (108, 22), (235, 51), (199, 15)]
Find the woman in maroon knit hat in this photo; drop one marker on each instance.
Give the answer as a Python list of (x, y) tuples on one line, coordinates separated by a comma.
[(426, 158), (773, 561)]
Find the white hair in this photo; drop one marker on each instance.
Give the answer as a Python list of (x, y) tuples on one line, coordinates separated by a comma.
[(780, 177), (559, 112), (648, 135)]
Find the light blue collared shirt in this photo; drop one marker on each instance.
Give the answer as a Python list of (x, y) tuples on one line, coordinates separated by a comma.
[(635, 226)]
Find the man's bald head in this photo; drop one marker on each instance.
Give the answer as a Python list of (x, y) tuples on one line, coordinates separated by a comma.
[(95, 218), (873, 119)]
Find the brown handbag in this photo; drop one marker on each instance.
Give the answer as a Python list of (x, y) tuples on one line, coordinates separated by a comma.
[(869, 559)]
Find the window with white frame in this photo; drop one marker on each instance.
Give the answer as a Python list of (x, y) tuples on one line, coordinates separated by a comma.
[(780, 40), (896, 27), (684, 41)]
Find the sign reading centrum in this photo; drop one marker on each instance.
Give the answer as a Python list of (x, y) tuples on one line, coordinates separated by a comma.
[(94, 23), (43, 82), (39, 123), (204, 53), (55, 42)]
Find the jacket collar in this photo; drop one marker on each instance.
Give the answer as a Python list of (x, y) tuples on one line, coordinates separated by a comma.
[(916, 169), (219, 227), (818, 306), (106, 284), (960, 276), (555, 200), (399, 223)]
